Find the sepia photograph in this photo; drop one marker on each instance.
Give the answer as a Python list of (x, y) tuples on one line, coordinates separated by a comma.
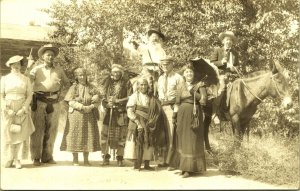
[(149, 95)]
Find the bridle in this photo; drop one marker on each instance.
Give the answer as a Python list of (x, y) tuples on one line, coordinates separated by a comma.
[(272, 78), (276, 86)]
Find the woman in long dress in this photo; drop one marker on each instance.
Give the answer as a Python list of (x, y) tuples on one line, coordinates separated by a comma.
[(191, 137), (81, 132), (17, 125)]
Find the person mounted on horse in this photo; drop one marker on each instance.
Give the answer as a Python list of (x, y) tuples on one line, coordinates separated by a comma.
[(226, 59), (151, 53)]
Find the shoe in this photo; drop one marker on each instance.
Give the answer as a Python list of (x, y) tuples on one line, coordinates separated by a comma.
[(147, 165), (105, 162), (120, 163), (75, 159), (87, 163), (18, 164), (51, 161), (149, 168), (9, 164), (185, 175), (162, 165), (170, 168), (37, 162)]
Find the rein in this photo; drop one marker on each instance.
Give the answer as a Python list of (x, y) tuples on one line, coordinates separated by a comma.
[(241, 76)]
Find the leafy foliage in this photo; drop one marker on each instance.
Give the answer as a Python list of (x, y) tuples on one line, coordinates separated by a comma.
[(265, 30), (92, 32)]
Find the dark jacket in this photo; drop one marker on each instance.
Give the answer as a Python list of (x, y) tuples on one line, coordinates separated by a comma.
[(217, 56), (119, 114)]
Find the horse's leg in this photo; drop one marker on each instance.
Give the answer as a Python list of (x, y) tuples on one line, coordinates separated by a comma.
[(207, 110), (235, 120), (245, 127), (207, 121)]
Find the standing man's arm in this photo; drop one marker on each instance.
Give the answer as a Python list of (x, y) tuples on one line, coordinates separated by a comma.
[(65, 84)]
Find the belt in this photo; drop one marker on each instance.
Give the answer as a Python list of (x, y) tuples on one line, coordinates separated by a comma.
[(47, 93), (171, 102), (191, 101), (151, 64)]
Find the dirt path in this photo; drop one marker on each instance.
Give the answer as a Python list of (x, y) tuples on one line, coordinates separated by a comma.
[(65, 176)]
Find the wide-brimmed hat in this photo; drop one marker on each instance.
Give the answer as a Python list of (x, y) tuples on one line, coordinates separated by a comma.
[(167, 59), (14, 59), (230, 34), (157, 31), (48, 47)]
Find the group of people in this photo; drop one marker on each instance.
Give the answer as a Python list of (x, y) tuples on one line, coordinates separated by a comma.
[(150, 117)]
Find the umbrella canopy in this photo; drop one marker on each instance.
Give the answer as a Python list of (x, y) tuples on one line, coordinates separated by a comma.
[(205, 71)]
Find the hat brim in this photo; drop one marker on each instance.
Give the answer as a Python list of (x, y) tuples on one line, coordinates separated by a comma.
[(223, 35), (157, 32), (43, 49), (9, 62)]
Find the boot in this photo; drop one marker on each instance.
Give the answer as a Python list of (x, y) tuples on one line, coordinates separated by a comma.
[(147, 165), (120, 161), (75, 159), (36, 162), (106, 158), (86, 159), (9, 164), (18, 164), (186, 175), (136, 165)]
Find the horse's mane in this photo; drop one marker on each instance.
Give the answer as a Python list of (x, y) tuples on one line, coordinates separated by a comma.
[(256, 73)]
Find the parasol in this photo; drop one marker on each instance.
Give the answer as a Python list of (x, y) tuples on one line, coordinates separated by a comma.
[(205, 71)]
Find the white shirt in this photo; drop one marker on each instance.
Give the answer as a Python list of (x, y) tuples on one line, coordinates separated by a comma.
[(156, 53), (136, 98), (174, 82)]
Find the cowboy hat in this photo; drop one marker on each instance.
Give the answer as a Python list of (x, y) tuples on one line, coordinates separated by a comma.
[(48, 47), (157, 31), (14, 59), (230, 34)]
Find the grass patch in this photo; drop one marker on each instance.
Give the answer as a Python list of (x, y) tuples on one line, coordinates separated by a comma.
[(271, 159)]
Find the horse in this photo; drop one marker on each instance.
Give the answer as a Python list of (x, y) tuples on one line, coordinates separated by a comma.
[(245, 94)]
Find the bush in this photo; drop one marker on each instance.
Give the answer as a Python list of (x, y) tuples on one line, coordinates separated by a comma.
[(272, 159)]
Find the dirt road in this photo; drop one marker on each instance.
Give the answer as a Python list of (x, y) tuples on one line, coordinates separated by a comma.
[(65, 176)]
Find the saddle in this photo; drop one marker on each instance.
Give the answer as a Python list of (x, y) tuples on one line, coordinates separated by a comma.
[(224, 104)]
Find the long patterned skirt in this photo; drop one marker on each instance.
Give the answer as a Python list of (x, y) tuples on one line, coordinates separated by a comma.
[(81, 133)]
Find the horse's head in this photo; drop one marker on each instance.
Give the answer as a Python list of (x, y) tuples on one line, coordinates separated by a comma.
[(280, 85)]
